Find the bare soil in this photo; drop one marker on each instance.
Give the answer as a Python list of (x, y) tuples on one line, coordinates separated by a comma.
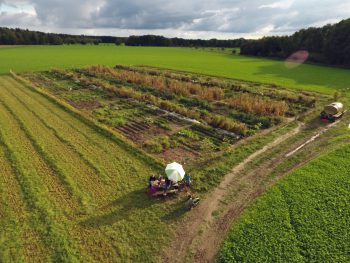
[(179, 154), (89, 105)]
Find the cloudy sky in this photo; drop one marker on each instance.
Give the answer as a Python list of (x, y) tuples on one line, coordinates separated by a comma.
[(182, 18)]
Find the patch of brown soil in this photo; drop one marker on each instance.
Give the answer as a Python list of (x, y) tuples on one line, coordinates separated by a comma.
[(88, 105), (178, 154)]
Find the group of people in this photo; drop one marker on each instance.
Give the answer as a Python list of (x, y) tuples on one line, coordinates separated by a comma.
[(161, 184), (157, 183)]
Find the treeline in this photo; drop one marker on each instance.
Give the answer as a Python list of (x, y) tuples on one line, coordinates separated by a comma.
[(327, 45), (18, 36), (26, 37), (160, 41)]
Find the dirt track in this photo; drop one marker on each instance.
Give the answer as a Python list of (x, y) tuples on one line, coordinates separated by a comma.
[(204, 229), (202, 216)]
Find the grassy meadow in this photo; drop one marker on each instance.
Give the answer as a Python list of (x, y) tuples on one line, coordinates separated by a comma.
[(71, 191), (306, 77)]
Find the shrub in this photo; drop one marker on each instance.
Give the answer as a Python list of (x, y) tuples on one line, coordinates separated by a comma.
[(164, 141), (224, 123), (163, 125), (207, 145), (158, 144), (189, 134), (153, 146)]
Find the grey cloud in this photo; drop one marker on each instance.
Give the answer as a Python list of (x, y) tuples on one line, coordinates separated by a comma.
[(283, 18), (220, 16), (17, 19), (66, 13), (157, 14)]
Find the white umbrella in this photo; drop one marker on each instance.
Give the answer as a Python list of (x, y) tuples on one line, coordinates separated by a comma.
[(175, 172)]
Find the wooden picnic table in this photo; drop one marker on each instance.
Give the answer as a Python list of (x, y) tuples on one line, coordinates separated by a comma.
[(159, 187), (162, 193)]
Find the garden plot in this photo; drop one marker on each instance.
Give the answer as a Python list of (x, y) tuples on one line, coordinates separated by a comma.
[(174, 115)]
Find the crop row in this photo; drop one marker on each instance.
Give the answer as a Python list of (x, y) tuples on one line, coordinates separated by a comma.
[(246, 102), (302, 97), (164, 84), (214, 120), (124, 92), (257, 105)]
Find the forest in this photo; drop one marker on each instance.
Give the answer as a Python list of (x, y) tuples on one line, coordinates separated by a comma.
[(17, 36), (152, 40), (327, 45)]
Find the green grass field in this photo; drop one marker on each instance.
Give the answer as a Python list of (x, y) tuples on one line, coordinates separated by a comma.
[(307, 77), (69, 193), (304, 218)]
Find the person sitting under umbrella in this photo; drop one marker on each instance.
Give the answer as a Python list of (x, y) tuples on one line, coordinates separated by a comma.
[(188, 179), (151, 180), (167, 185)]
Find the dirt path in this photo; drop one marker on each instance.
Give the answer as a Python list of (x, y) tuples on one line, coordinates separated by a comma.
[(195, 230), (204, 229), (246, 189), (311, 139)]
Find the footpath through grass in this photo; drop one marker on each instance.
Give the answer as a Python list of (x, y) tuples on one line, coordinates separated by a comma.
[(69, 193), (306, 77), (304, 218)]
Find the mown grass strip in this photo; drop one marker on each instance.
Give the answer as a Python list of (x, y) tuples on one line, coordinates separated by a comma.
[(13, 215), (58, 154), (19, 241), (61, 196), (62, 138), (34, 192), (71, 189)]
